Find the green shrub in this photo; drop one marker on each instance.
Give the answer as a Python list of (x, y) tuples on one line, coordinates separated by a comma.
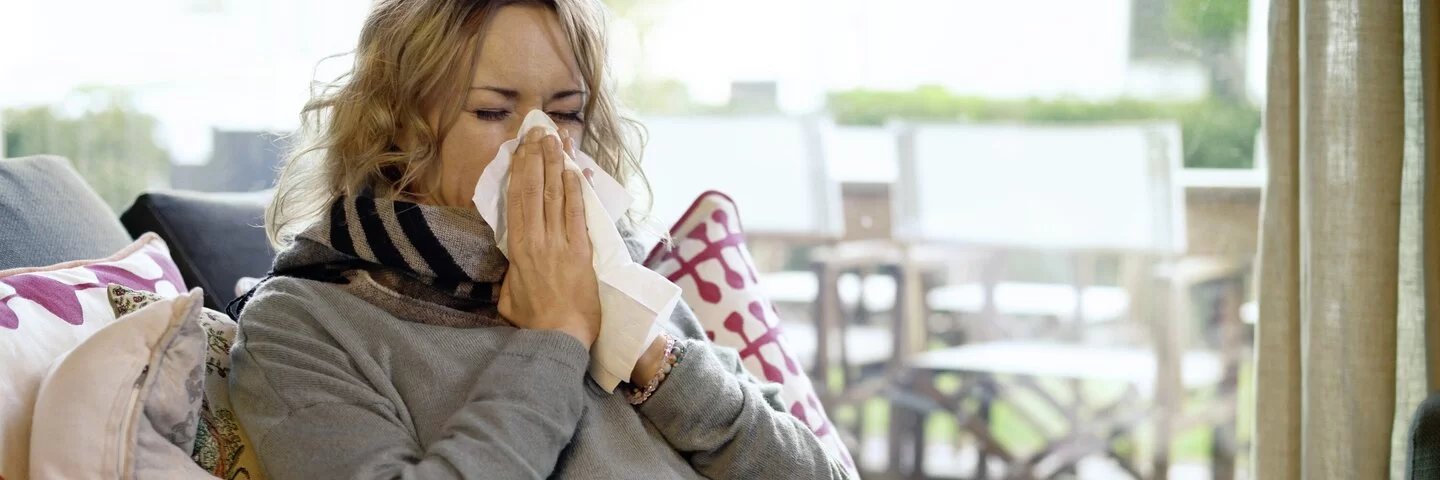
[(111, 144), (1216, 133)]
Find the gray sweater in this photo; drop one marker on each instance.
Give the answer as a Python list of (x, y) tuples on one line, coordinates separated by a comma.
[(341, 381)]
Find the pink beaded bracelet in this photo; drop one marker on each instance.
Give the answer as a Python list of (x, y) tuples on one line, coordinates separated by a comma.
[(669, 359)]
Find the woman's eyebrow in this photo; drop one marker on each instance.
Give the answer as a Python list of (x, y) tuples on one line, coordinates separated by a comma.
[(566, 93), (512, 94)]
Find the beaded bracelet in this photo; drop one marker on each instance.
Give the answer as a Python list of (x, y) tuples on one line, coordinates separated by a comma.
[(669, 360)]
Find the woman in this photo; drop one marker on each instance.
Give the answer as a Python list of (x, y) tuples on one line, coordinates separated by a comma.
[(394, 340)]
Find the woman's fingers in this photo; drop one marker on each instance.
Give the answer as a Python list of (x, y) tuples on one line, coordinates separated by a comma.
[(576, 230), (530, 169), (514, 201), (554, 190), (570, 150)]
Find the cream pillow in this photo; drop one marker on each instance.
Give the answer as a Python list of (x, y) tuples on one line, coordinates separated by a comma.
[(125, 403), (45, 312)]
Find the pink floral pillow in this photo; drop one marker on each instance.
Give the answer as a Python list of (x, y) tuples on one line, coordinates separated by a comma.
[(45, 312), (717, 277)]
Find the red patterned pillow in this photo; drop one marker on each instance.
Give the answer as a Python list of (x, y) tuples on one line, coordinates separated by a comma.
[(710, 263), (45, 312)]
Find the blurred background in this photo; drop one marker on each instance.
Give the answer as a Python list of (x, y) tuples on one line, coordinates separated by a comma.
[(1005, 237)]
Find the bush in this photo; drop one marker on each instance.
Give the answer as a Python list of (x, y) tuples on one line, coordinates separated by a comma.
[(1216, 133), (111, 144)]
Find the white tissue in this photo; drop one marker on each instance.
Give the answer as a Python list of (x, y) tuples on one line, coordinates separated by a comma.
[(633, 299), (490, 190)]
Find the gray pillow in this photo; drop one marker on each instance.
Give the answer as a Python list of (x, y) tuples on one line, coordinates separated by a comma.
[(215, 238), (1424, 448), (49, 215)]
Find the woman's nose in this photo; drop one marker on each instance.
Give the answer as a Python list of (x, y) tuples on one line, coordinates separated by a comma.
[(518, 118), (524, 108)]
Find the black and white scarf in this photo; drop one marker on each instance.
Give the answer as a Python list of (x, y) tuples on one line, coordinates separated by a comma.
[(451, 249)]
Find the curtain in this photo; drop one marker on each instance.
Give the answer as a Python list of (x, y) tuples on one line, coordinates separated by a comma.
[(1347, 245)]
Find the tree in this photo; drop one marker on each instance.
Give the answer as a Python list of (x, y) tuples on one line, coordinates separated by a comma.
[(1209, 30), (111, 144), (643, 15), (643, 93)]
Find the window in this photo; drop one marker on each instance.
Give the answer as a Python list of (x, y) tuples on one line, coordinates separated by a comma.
[(1078, 182)]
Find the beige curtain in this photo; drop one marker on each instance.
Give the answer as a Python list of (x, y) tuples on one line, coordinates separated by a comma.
[(1341, 343), (1429, 20)]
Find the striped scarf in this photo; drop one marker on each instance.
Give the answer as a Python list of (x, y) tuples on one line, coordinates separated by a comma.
[(451, 249)]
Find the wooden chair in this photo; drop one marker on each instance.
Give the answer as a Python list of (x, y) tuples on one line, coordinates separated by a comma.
[(1082, 190)]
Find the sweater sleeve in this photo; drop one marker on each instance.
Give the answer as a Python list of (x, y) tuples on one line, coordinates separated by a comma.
[(331, 422), (729, 426)]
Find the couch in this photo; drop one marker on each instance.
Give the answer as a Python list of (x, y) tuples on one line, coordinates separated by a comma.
[(1422, 459), (49, 215)]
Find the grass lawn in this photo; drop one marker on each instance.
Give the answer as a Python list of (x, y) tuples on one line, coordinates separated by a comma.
[(1020, 436)]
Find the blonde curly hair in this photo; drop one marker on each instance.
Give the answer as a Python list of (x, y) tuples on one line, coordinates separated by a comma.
[(414, 53)]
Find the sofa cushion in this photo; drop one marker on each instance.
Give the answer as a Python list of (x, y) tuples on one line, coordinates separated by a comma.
[(221, 446), (45, 312), (127, 397), (49, 215), (1423, 459), (215, 238), (708, 259)]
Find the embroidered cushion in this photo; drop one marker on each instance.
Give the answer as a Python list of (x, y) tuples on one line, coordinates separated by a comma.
[(221, 446)]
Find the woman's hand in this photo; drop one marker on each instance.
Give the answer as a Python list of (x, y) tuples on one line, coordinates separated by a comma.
[(550, 284)]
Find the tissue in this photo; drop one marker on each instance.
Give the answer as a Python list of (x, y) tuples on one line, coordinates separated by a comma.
[(633, 299), (490, 190)]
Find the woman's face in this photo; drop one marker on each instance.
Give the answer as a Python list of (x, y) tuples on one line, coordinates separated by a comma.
[(525, 63)]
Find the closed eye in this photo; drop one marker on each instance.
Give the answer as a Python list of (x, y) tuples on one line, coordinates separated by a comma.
[(492, 115), (568, 117), (499, 115)]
